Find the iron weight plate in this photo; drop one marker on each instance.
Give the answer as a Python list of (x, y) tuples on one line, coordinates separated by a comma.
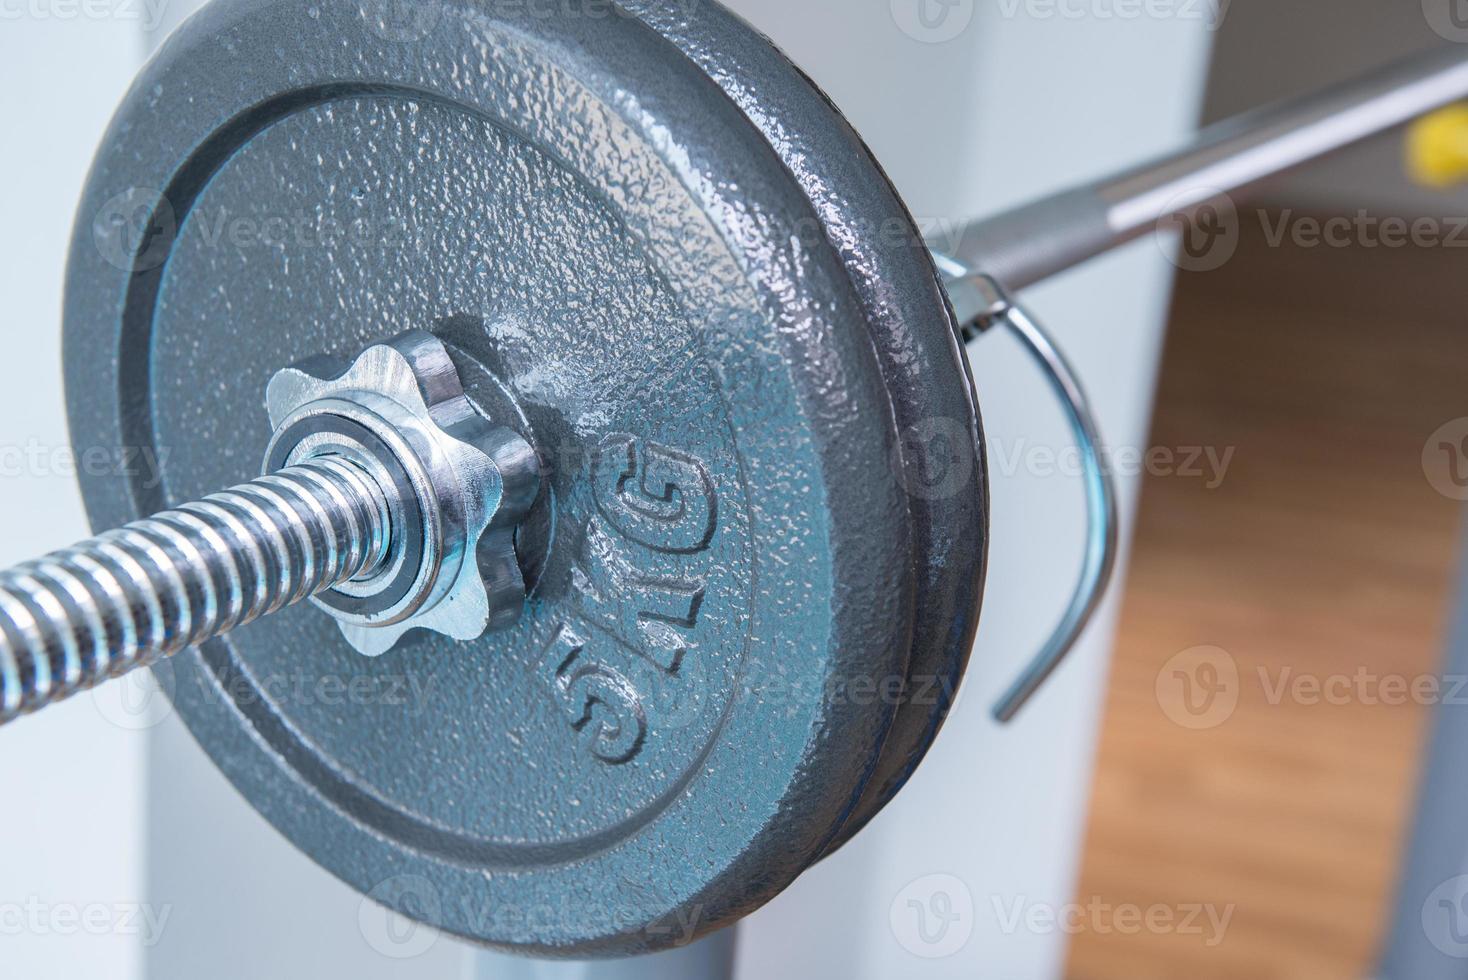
[(912, 326), (609, 238)]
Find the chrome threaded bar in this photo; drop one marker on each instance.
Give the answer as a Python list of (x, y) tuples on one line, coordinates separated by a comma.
[(134, 595)]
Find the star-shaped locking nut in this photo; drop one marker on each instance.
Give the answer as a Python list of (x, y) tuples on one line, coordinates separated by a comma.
[(456, 487)]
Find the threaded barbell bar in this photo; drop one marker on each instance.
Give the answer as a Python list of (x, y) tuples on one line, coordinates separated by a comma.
[(132, 596)]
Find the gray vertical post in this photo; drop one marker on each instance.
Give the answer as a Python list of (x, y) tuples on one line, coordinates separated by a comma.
[(1428, 939), (708, 959)]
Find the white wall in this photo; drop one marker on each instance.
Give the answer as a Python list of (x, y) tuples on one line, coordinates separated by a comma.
[(71, 865)]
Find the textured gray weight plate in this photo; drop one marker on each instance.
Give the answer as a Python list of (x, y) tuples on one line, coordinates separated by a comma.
[(607, 241), (917, 344)]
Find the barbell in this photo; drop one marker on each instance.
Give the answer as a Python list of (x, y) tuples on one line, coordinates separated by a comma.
[(601, 379)]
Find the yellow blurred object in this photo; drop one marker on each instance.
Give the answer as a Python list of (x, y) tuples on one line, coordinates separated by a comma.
[(1437, 147)]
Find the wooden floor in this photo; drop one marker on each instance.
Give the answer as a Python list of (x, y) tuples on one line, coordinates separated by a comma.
[(1325, 552)]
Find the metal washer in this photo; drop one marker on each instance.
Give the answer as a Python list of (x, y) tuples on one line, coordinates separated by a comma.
[(623, 237)]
